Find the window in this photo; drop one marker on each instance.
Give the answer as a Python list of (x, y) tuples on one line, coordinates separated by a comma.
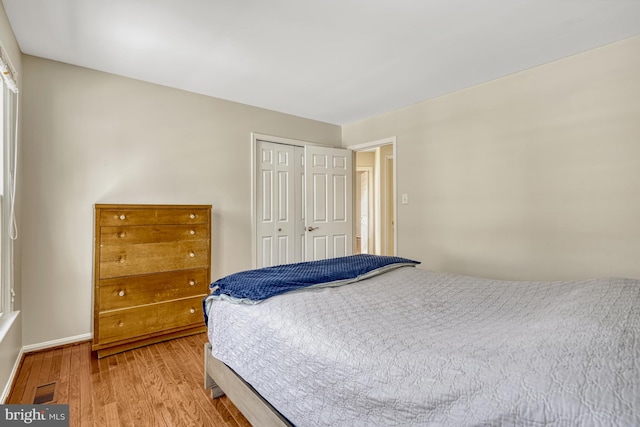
[(8, 162), (4, 307)]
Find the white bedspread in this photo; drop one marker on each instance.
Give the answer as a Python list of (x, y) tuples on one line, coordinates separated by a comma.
[(413, 347)]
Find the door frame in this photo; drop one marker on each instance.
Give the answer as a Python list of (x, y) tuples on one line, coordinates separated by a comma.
[(255, 137), (366, 146), (390, 226)]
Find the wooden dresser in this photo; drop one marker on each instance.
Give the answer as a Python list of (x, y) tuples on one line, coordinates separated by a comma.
[(152, 268)]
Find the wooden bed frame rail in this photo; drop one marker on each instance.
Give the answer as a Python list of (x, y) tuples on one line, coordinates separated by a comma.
[(223, 380)]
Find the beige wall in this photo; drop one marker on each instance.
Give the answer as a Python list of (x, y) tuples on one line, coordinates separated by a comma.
[(11, 335), (365, 159), (532, 176), (93, 137)]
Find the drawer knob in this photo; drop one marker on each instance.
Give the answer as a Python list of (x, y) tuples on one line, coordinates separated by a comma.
[(121, 293), (193, 216), (193, 310), (192, 282), (121, 234), (123, 216), (121, 260), (120, 324), (192, 254), (192, 232)]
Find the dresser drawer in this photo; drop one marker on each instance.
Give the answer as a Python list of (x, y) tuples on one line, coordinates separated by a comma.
[(117, 261), (131, 216), (118, 325), (130, 291), (133, 235)]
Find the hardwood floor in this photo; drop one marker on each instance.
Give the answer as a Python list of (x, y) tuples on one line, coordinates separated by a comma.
[(156, 385)]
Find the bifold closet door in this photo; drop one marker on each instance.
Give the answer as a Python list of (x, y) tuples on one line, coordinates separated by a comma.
[(279, 213), (300, 218), (329, 202)]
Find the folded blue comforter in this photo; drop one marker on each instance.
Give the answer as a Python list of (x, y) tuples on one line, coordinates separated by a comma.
[(253, 286)]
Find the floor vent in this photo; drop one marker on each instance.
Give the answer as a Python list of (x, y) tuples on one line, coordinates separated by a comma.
[(45, 393)]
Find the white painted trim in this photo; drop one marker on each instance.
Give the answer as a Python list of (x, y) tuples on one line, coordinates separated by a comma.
[(56, 343), (254, 194), (373, 144), (6, 321), (14, 372), (395, 197), (281, 140), (378, 143)]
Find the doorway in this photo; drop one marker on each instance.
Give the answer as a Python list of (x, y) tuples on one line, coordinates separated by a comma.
[(375, 192)]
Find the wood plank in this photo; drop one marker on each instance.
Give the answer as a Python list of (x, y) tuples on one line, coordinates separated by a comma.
[(20, 383), (43, 377), (156, 386), (159, 385), (73, 389), (62, 389), (87, 363), (32, 381), (56, 364), (130, 385), (99, 392), (121, 384), (112, 416), (184, 379)]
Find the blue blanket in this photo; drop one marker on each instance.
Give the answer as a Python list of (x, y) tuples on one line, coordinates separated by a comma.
[(257, 285)]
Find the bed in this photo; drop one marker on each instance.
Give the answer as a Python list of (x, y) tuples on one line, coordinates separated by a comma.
[(405, 346)]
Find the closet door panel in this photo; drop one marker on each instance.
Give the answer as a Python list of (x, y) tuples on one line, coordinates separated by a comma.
[(276, 203), (328, 191)]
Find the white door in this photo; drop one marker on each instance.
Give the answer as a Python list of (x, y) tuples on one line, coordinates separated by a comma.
[(276, 204), (328, 190)]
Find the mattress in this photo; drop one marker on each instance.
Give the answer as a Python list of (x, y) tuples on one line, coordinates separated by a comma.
[(414, 347)]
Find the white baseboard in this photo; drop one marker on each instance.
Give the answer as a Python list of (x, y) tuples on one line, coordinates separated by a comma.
[(14, 372), (56, 343)]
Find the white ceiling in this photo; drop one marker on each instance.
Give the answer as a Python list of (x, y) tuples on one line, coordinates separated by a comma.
[(336, 61)]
